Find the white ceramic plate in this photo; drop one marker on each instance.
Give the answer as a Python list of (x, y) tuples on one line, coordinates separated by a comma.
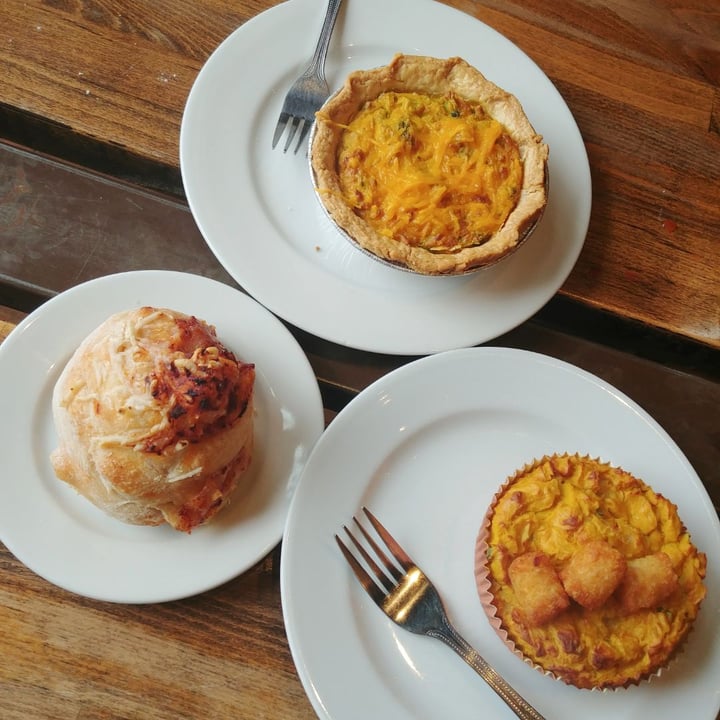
[(67, 540), (425, 448), (258, 213)]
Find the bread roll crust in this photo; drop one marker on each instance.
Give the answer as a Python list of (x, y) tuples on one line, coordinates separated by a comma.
[(154, 418)]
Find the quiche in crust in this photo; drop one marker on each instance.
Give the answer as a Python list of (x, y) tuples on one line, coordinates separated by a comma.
[(154, 417), (427, 165), (587, 573)]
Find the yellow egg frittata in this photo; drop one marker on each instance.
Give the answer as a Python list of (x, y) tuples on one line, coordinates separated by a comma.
[(429, 171), (591, 573)]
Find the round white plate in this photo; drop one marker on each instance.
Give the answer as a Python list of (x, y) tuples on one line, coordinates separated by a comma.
[(67, 540), (258, 213), (425, 448)]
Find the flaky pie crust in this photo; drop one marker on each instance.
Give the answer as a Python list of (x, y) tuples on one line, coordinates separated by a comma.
[(431, 76)]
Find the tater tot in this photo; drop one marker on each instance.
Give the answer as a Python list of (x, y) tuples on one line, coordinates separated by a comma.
[(647, 581), (537, 587), (592, 573)]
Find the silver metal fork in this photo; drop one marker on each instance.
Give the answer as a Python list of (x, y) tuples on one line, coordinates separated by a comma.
[(309, 91), (409, 599)]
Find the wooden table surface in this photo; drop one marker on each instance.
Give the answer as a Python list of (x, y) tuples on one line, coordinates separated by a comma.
[(91, 100), (642, 78)]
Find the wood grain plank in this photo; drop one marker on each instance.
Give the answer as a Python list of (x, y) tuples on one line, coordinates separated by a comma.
[(584, 62), (5, 329), (641, 77), (223, 654)]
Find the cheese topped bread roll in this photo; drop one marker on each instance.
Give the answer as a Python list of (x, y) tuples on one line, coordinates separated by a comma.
[(154, 417)]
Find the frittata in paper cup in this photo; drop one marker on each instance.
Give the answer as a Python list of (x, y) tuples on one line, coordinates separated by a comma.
[(587, 573)]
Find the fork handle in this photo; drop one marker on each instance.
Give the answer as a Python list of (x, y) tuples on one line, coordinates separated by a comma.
[(515, 701), (317, 64)]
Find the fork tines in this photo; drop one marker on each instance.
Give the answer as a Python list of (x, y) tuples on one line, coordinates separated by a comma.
[(307, 94), (295, 124), (382, 580)]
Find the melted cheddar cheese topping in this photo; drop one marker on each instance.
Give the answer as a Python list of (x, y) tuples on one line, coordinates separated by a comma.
[(430, 171), (552, 508)]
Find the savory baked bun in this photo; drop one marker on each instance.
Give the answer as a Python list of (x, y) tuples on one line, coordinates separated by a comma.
[(154, 418), (429, 166), (587, 573)]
